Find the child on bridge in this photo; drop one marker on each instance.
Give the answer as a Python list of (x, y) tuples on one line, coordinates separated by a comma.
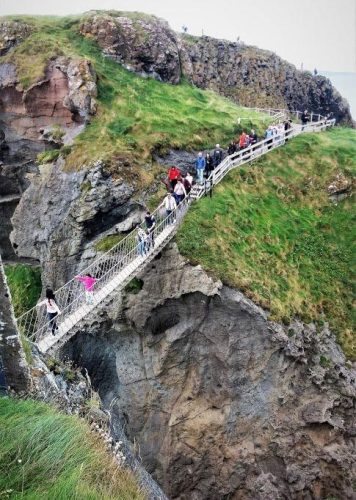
[(88, 282)]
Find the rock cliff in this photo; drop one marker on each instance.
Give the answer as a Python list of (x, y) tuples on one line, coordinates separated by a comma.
[(221, 402), (248, 75), (75, 209)]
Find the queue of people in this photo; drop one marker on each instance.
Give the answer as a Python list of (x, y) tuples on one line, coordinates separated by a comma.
[(179, 185)]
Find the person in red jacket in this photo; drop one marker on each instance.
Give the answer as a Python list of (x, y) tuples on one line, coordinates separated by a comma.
[(243, 141), (173, 175)]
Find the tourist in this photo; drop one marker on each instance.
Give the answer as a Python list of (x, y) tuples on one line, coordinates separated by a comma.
[(173, 175), (150, 224), (51, 308), (209, 165), (187, 182), (232, 148), (179, 192), (253, 137), (304, 118), (170, 205), (269, 136), (88, 282), (200, 167), (243, 140), (217, 155), (188, 179), (287, 128), (142, 242)]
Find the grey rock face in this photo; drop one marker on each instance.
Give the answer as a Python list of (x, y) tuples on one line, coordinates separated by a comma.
[(12, 33), (147, 45), (221, 401), (246, 74), (256, 77), (69, 210)]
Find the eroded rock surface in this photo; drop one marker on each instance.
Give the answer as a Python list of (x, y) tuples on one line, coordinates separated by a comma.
[(221, 402), (146, 45), (12, 33), (248, 75), (69, 211)]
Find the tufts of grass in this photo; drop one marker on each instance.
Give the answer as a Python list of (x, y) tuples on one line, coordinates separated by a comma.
[(271, 230), (136, 117), (106, 243), (25, 286), (45, 454)]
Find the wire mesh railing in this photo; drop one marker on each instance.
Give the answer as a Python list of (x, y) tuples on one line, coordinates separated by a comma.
[(123, 261)]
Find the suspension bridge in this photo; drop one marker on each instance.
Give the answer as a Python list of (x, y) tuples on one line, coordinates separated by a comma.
[(123, 262)]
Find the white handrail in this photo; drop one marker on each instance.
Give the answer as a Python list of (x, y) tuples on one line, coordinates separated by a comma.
[(121, 263)]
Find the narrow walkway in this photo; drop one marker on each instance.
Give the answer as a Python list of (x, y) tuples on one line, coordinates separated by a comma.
[(122, 263)]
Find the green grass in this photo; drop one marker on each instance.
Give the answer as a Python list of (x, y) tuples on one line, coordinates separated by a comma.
[(271, 230), (136, 116), (134, 286), (25, 286), (106, 243), (45, 454)]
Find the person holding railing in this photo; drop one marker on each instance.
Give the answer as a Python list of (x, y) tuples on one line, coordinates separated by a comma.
[(150, 224), (51, 308), (142, 242), (88, 281)]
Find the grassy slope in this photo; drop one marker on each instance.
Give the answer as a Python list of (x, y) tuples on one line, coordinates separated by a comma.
[(25, 286), (136, 116), (45, 454), (271, 230)]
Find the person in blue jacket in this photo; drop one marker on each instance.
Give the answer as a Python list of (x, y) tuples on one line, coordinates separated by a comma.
[(200, 166)]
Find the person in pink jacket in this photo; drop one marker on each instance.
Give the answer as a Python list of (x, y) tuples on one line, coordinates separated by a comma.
[(88, 282)]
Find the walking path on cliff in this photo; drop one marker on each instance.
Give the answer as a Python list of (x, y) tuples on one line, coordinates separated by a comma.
[(115, 268)]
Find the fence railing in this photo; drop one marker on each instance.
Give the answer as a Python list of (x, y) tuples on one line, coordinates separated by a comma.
[(126, 257)]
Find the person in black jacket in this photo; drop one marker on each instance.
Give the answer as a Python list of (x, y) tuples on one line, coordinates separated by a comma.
[(150, 224), (217, 155), (232, 148), (253, 137), (209, 162), (304, 118)]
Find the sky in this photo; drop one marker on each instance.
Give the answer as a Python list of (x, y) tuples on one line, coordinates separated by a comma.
[(319, 34)]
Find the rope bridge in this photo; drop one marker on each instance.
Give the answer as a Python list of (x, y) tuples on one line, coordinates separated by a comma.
[(117, 267)]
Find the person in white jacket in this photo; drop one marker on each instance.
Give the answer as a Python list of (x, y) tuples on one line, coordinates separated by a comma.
[(179, 192), (51, 308), (170, 205)]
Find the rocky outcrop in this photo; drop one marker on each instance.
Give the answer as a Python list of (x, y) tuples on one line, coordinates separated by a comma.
[(246, 74), (144, 44), (64, 98), (72, 210), (221, 402), (256, 77), (60, 104), (12, 33)]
